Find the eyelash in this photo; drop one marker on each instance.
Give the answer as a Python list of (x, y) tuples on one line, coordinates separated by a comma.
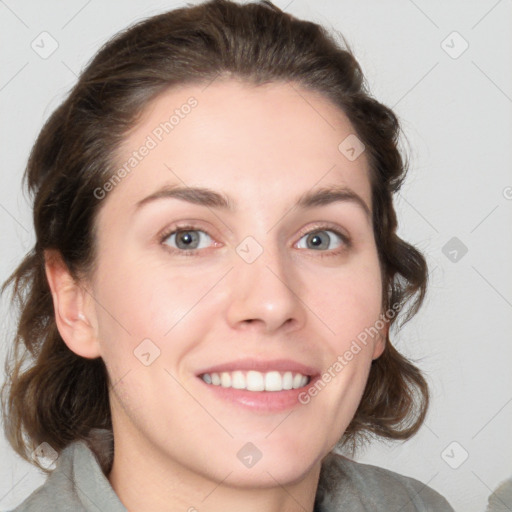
[(195, 252)]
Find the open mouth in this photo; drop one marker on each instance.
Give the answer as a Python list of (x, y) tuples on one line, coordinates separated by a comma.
[(257, 381)]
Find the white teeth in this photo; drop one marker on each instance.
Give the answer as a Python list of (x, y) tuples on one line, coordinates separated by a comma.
[(288, 380), (225, 380), (238, 380), (273, 381), (257, 381), (297, 381)]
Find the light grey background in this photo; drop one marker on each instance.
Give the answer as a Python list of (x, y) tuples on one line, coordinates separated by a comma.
[(457, 115)]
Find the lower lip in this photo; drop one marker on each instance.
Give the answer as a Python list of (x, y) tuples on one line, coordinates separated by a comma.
[(264, 401)]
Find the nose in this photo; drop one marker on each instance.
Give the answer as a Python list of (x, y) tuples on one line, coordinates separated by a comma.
[(265, 295)]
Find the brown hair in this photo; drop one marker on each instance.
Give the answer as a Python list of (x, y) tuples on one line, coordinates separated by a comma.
[(53, 395)]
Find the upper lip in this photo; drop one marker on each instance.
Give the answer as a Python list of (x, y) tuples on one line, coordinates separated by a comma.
[(267, 365)]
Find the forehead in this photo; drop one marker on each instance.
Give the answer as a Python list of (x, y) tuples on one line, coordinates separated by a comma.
[(261, 143)]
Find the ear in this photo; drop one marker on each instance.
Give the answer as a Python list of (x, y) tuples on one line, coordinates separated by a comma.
[(380, 342), (74, 311)]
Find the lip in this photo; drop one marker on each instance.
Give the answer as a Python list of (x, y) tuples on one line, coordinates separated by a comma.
[(260, 401)]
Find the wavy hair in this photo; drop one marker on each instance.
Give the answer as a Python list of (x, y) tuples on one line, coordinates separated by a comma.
[(53, 395)]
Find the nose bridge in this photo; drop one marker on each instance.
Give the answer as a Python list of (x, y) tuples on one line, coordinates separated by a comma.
[(264, 290)]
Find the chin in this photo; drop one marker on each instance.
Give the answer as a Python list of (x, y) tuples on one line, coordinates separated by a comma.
[(270, 464)]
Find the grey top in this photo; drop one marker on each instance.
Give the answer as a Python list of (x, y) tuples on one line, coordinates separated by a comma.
[(78, 483)]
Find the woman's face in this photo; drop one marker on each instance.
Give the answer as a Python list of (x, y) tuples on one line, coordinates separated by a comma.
[(265, 292)]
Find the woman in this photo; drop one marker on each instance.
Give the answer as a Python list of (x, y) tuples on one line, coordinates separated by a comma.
[(205, 314)]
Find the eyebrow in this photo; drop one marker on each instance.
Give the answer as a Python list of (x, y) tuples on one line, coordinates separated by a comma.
[(203, 196)]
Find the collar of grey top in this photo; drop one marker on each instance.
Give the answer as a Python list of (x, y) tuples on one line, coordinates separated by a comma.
[(79, 483)]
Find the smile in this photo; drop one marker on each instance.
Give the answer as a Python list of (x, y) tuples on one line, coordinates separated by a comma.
[(257, 381)]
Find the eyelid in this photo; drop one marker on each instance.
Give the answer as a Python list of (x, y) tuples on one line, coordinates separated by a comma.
[(192, 225)]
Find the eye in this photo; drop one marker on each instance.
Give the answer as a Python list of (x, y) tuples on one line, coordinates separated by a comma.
[(186, 239), (322, 239)]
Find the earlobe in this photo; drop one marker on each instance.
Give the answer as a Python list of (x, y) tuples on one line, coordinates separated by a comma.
[(379, 348), (380, 343), (73, 315)]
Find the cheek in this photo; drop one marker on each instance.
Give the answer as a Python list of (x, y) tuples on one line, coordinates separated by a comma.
[(149, 316), (348, 302), (150, 307)]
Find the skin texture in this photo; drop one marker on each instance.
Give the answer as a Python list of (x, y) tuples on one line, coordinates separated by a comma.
[(176, 443)]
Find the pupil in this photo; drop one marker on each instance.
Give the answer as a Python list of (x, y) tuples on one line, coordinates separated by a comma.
[(316, 240), (187, 238)]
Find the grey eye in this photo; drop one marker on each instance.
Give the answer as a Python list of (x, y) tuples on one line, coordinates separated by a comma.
[(320, 239), (186, 239)]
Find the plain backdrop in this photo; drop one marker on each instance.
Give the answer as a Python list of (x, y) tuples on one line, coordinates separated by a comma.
[(445, 67)]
